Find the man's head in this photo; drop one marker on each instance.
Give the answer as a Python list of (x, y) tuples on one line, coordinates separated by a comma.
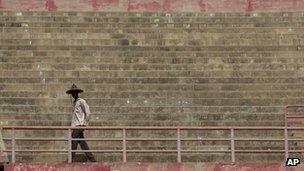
[(74, 91), (75, 94)]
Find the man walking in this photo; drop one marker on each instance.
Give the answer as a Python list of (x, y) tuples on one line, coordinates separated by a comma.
[(80, 118)]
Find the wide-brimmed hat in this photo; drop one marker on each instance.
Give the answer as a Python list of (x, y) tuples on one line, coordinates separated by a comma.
[(74, 89)]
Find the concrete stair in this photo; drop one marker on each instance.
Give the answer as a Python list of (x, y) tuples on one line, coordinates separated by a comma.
[(151, 69)]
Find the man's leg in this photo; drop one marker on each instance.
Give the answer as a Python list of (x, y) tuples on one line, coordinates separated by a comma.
[(84, 146), (75, 134)]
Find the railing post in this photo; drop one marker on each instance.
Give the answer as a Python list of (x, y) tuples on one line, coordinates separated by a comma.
[(285, 116), (286, 142), (124, 146), (69, 145), (232, 145), (179, 157), (13, 145)]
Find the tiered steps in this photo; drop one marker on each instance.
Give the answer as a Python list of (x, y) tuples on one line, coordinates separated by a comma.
[(152, 69)]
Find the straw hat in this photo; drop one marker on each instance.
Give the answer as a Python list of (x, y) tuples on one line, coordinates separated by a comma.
[(74, 89)]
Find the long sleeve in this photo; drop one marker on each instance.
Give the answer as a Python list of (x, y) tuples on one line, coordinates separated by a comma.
[(81, 113), (86, 110)]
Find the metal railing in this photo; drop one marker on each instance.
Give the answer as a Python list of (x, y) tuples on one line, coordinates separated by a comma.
[(232, 139), (293, 115)]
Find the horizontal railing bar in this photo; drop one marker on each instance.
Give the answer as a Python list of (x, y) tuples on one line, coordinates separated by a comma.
[(294, 151), (207, 151), (151, 151), (25, 150), (144, 151), (295, 116), (93, 139), (59, 128), (29, 150), (64, 139), (260, 151), (116, 139), (97, 139), (295, 113), (97, 151), (174, 139), (206, 139), (147, 128), (150, 139), (137, 151), (109, 128), (269, 151), (255, 139), (145, 139), (156, 151), (294, 128), (294, 106), (38, 139)]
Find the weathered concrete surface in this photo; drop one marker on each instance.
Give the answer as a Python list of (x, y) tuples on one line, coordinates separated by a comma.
[(3, 155), (151, 69), (154, 5), (57, 167), (155, 167)]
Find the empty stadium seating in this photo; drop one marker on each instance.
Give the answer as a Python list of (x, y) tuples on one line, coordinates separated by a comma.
[(151, 69)]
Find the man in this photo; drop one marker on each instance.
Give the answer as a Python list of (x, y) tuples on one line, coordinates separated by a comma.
[(80, 118)]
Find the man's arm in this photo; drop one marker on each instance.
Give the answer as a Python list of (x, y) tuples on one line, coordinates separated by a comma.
[(86, 109)]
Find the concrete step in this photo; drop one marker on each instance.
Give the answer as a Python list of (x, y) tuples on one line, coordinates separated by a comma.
[(210, 54), (186, 25), (216, 65), (148, 28), (195, 117), (26, 109), (154, 33), (169, 18), (166, 17), (154, 157), (23, 94), (42, 86), (145, 123), (5, 74), (152, 94), (147, 60), (153, 47), (97, 119), (150, 87), (154, 146), (133, 41), (149, 14), (161, 102), (166, 34), (175, 41), (155, 80)]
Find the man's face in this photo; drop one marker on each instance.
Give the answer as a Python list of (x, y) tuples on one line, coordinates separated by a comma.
[(74, 94)]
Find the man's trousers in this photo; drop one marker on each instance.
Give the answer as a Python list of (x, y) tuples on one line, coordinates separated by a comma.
[(78, 133)]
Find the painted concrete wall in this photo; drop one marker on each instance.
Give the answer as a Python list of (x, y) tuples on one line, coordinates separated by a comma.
[(154, 5), (156, 167)]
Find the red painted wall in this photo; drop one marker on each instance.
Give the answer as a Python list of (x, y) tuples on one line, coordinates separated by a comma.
[(156, 167), (154, 5)]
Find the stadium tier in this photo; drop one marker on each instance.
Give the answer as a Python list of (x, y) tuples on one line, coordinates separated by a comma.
[(204, 64), (151, 69)]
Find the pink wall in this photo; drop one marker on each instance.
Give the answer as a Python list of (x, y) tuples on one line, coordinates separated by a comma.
[(156, 167), (154, 5)]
